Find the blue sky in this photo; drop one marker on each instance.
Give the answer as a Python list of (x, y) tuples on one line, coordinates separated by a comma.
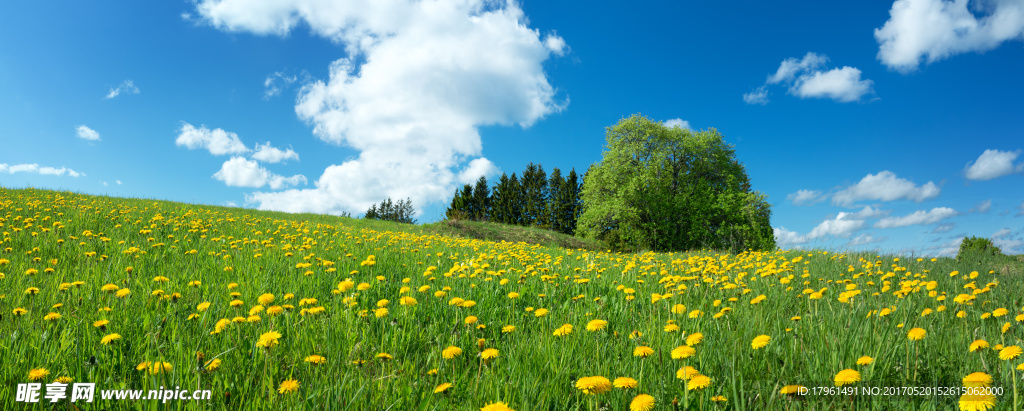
[(886, 125)]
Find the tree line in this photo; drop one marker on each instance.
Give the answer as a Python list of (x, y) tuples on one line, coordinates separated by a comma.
[(534, 199)]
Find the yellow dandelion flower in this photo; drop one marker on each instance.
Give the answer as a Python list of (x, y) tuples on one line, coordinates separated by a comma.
[(37, 374), (1009, 353), (686, 373), (624, 383), (698, 381), (52, 317), (977, 345), (265, 299), (791, 389), (563, 331), (489, 353), (593, 385), (315, 359), (596, 325), (442, 388), (760, 341), (642, 402), (694, 339), (540, 312), (508, 328), (497, 406), (671, 328), (110, 338), (643, 351), (977, 402), (977, 379), (683, 351), (865, 360), (268, 339), (288, 386), (847, 376), (451, 352), (212, 365), (916, 334)]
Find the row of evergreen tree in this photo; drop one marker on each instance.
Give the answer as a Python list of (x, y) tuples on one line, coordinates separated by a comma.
[(535, 199)]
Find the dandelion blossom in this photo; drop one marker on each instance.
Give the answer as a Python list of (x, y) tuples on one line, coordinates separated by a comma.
[(288, 386), (451, 352), (791, 389), (489, 353), (694, 339), (563, 331), (977, 379), (443, 388), (108, 339), (697, 382), (498, 406), (683, 351), (624, 383), (686, 373), (760, 341), (540, 312), (596, 325), (508, 328), (1009, 353), (593, 385), (916, 334), (315, 359), (37, 374), (977, 402), (847, 376), (642, 402), (268, 339), (643, 351), (865, 360), (977, 345)]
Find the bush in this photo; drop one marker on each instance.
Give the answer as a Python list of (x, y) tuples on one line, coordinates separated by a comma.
[(977, 247)]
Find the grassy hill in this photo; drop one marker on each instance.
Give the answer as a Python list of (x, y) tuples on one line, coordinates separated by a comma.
[(269, 310)]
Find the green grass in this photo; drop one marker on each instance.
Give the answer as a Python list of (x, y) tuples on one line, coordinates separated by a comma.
[(130, 243)]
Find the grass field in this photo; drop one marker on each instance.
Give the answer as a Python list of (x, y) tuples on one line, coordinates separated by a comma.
[(277, 311)]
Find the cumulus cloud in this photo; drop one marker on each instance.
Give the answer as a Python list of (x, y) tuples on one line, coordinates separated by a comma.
[(919, 217), (87, 133), (805, 197), (480, 167), (1008, 241), (885, 186), (239, 172), (270, 154), (677, 122), (275, 83), (842, 225), (943, 228), (757, 96), (418, 81), (217, 141), (126, 87), (982, 207), (932, 30), (992, 164), (808, 78), (36, 169)]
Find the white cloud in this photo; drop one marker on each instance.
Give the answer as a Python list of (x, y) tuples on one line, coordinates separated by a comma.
[(118, 182), (275, 83), (992, 164), (480, 167), (677, 122), (126, 87), (868, 212), (218, 142), (87, 133), (419, 80), (757, 96), (864, 239), (239, 172), (932, 30), (36, 169), (842, 226), (1021, 208), (840, 84), (919, 217), (230, 204), (791, 67), (270, 154), (943, 228), (807, 78), (1007, 242), (885, 186), (805, 197), (785, 238), (555, 44), (948, 249), (1002, 233)]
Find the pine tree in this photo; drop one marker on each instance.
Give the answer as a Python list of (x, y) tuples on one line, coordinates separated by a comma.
[(499, 201), (514, 203), (535, 195), (481, 200), (554, 212), (574, 205)]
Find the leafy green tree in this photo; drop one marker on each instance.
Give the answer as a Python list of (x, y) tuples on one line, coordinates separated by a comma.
[(977, 247), (666, 189)]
